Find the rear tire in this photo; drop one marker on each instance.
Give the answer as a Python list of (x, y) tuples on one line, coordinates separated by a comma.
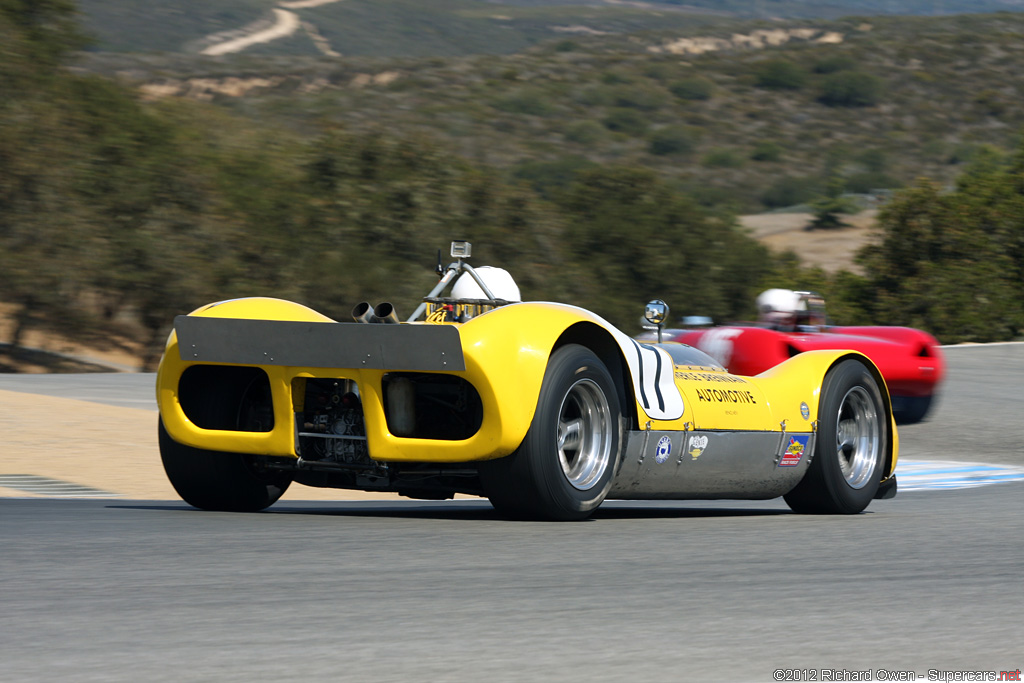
[(563, 469), (214, 480), (852, 440)]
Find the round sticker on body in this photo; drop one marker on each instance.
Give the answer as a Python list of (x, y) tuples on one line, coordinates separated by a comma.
[(664, 450)]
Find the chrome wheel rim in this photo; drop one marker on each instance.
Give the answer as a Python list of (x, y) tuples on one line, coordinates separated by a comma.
[(858, 437), (584, 434)]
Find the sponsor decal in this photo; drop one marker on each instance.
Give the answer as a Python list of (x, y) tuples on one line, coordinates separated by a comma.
[(724, 396), (663, 450), (805, 412), (711, 377), (697, 446), (795, 451)]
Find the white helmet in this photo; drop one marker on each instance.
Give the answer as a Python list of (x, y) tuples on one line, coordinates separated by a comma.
[(498, 280), (780, 307), (779, 301)]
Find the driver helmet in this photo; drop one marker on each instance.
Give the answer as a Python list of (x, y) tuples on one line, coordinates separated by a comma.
[(498, 280), (779, 307)]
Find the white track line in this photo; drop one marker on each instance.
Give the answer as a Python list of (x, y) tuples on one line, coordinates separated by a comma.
[(932, 475), (51, 488)]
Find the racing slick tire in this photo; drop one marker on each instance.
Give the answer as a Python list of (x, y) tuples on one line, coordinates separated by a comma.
[(852, 439), (563, 469), (214, 480)]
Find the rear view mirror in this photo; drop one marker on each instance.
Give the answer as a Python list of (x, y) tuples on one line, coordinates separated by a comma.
[(656, 312)]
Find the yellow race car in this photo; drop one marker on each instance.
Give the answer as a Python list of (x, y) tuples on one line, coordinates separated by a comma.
[(544, 408)]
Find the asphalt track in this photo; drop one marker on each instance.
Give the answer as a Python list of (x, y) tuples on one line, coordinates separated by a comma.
[(114, 590)]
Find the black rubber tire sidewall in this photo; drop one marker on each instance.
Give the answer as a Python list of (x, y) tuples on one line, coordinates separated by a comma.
[(214, 480), (530, 482), (824, 489)]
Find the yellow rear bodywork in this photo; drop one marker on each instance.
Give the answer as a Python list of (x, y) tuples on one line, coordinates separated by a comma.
[(506, 352)]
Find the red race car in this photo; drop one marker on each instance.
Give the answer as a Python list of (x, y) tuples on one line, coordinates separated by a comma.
[(793, 322)]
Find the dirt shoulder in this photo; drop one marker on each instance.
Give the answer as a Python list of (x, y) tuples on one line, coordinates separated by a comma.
[(101, 447)]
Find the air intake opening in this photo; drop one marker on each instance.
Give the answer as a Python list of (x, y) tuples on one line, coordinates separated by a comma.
[(431, 406), (227, 397)]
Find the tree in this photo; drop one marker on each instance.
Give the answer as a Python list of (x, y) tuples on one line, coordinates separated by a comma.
[(828, 208), (951, 263), (37, 37), (635, 239)]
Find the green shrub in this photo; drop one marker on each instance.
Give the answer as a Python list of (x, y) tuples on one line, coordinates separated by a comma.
[(779, 74), (961, 154), (616, 77), (833, 63), (791, 191), (585, 132), (992, 103), (766, 151), (671, 140), (850, 89), (593, 96), (530, 101), (547, 177), (866, 182), (638, 97), (628, 121), (722, 158), (659, 71), (874, 160), (693, 89)]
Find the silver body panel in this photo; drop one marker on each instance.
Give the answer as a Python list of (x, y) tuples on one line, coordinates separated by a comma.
[(711, 464)]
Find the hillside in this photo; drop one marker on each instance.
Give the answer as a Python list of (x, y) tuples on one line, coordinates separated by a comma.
[(410, 28), (602, 168), (749, 117)]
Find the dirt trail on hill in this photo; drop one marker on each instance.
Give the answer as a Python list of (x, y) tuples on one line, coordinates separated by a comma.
[(286, 23)]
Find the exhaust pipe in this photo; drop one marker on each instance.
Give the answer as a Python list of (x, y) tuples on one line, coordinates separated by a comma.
[(385, 313), (362, 313), (382, 313)]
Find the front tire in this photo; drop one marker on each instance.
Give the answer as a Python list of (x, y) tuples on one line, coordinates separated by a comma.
[(563, 469), (852, 441)]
